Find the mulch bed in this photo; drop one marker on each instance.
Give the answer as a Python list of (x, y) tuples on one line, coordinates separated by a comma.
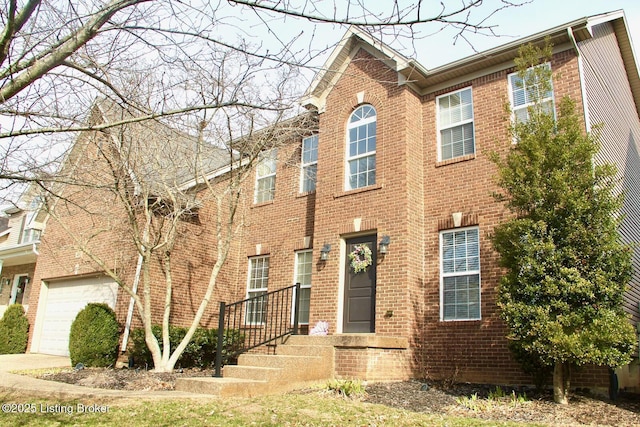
[(440, 398), (431, 397), (123, 379)]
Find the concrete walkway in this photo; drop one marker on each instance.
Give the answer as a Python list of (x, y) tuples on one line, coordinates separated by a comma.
[(11, 383)]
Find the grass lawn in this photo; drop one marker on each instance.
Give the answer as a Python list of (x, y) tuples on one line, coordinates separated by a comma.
[(311, 409)]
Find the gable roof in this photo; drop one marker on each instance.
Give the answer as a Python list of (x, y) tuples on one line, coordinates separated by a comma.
[(158, 153), (422, 80)]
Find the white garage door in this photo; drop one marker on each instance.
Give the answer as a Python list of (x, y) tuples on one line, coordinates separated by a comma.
[(63, 302)]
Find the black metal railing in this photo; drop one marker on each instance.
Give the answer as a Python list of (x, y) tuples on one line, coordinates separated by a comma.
[(256, 321)]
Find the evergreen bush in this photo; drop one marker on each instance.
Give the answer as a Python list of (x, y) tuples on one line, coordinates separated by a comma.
[(566, 267), (94, 336), (14, 330)]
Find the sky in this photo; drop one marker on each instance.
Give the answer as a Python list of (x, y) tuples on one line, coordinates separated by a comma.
[(523, 21), (435, 47)]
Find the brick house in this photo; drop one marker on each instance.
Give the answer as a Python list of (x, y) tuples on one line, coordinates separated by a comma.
[(398, 164)]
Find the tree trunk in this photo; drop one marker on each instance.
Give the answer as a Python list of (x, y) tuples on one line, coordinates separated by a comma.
[(561, 380)]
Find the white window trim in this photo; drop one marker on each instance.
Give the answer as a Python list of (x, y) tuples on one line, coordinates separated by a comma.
[(269, 155), (295, 279), (463, 273), (460, 123), (348, 158), (304, 165), (528, 104), (254, 290)]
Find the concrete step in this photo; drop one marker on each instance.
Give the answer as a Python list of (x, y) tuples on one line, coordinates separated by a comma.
[(223, 387), (276, 360), (295, 368), (349, 340), (299, 361), (323, 351), (308, 340), (256, 373)]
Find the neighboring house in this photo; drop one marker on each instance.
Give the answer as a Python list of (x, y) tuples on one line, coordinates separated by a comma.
[(397, 170), (20, 229)]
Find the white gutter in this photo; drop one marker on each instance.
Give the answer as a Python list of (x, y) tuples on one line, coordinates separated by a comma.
[(19, 250), (583, 89)]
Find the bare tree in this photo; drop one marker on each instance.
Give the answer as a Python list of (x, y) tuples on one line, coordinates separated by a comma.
[(226, 73), (56, 56), (143, 189)]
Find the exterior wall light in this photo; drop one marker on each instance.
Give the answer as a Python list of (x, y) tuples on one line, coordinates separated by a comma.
[(324, 252), (383, 247)]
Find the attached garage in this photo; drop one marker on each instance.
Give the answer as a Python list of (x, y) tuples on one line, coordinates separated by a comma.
[(60, 302)]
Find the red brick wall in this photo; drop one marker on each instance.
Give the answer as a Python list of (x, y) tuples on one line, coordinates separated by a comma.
[(92, 217), (383, 209), (278, 227), (372, 364)]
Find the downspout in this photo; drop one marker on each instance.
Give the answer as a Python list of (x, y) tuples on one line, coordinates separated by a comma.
[(583, 89), (136, 279), (127, 327)]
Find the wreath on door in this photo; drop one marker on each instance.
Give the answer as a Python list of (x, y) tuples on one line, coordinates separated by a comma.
[(360, 258)]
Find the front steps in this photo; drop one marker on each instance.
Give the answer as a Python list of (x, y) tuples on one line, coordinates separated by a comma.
[(299, 362)]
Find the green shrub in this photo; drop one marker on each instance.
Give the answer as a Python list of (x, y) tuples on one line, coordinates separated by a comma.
[(94, 336), (347, 388), (200, 352), (14, 330)]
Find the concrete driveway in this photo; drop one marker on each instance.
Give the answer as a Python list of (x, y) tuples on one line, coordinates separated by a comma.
[(16, 362), (11, 383)]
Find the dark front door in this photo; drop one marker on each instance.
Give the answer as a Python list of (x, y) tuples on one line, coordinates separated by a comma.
[(360, 285)]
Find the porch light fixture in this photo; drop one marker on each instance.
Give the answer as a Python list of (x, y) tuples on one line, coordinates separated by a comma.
[(324, 252), (383, 247)]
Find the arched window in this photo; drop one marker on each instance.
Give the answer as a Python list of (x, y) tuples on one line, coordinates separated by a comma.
[(361, 148)]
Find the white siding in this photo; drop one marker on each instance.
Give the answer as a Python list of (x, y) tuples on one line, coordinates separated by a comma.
[(15, 225)]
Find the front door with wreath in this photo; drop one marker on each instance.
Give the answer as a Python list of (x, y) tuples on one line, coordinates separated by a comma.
[(360, 285)]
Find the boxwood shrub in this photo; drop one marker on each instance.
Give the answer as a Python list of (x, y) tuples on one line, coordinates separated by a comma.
[(200, 352), (14, 330), (94, 336)]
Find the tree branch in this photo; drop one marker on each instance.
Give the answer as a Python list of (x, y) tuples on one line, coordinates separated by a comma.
[(136, 119), (56, 57)]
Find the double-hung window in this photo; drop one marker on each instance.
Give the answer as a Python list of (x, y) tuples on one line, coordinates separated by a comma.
[(304, 268), (266, 176), (257, 289), (361, 148), (455, 124), (460, 274), (309, 164), (28, 232), (524, 93)]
